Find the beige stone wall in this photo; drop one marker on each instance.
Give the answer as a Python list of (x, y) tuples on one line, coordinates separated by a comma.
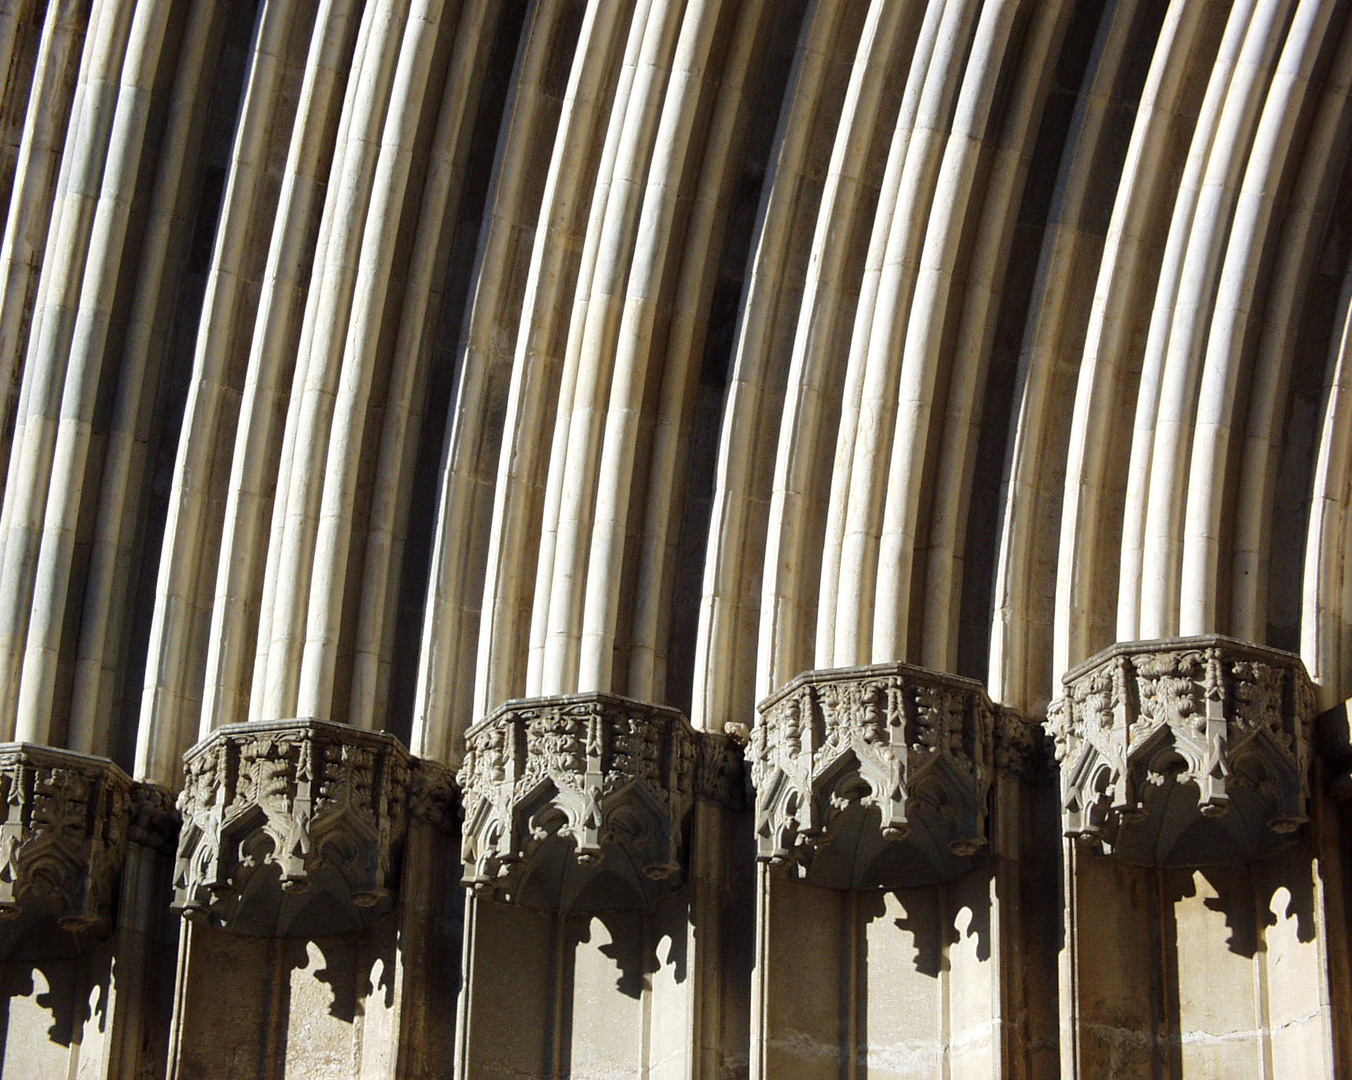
[(445, 421)]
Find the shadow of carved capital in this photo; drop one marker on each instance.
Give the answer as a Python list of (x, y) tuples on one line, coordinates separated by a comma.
[(579, 802), (879, 776), (1185, 752), (62, 839), (293, 828)]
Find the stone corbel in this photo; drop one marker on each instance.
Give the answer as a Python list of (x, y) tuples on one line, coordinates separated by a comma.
[(580, 801), (1185, 752), (879, 776), (62, 839), (293, 828)]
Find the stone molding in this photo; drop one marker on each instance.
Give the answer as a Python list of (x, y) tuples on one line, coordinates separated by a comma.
[(62, 839), (879, 776), (292, 828), (579, 802), (1184, 752)]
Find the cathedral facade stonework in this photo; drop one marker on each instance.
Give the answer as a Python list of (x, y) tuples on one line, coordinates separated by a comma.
[(675, 539)]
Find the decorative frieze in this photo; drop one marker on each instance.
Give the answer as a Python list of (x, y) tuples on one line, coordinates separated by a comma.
[(292, 828), (1185, 752), (580, 801), (879, 776), (62, 839)]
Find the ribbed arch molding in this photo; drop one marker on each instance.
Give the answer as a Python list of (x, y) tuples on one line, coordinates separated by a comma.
[(577, 374), (383, 361)]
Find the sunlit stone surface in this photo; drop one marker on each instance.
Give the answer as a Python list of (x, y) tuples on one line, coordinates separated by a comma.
[(1186, 752), (371, 369)]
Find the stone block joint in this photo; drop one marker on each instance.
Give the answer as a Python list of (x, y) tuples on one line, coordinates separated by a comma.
[(879, 776), (579, 802), (1185, 752)]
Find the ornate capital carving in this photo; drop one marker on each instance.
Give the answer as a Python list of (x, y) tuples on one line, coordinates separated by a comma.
[(1185, 752), (1020, 746), (62, 839), (878, 776), (291, 828), (154, 818), (433, 798), (580, 801)]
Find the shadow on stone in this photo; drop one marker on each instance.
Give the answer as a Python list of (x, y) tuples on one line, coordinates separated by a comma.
[(1248, 906), (1246, 895), (354, 968), (934, 919), (55, 986), (636, 942)]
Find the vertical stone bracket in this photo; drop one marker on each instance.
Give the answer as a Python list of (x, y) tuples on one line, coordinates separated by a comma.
[(291, 827), (1185, 752), (580, 801), (62, 839), (878, 776)]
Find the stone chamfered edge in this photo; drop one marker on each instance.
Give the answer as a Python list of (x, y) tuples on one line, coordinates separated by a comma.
[(1185, 751), (293, 827), (580, 800), (68, 818), (879, 776)]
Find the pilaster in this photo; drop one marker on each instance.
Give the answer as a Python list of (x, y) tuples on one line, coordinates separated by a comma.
[(297, 836), (888, 803), (594, 825), (1196, 894)]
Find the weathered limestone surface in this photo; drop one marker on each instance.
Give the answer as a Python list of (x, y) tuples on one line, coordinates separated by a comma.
[(294, 827), (582, 801), (879, 776), (1188, 752), (410, 407)]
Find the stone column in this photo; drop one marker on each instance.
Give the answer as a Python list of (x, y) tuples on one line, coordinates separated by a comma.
[(287, 874), (1196, 939), (874, 795), (581, 812)]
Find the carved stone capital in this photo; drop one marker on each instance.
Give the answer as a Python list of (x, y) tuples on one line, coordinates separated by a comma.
[(155, 819), (291, 828), (580, 801), (62, 839), (877, 776), (1020, 746), (433, 798), (721, 776), (1185, 752)]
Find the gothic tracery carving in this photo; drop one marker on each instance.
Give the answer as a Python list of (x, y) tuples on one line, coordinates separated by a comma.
[(63, 836), (291, 827), (1185, 752), (581, 800), (878, 776)]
